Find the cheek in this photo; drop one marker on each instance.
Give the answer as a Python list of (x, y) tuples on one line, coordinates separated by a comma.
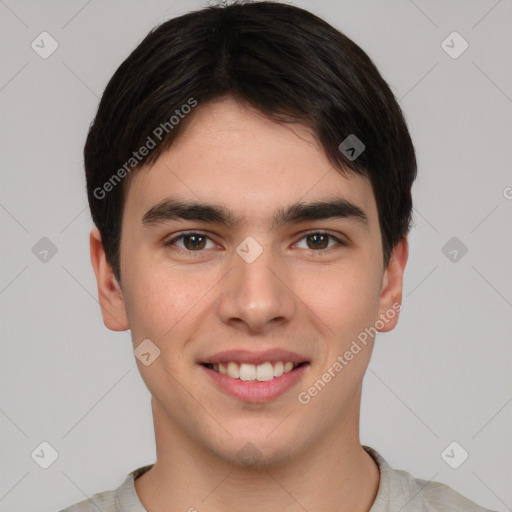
[(152, 298), (345, 299), (161, 300)]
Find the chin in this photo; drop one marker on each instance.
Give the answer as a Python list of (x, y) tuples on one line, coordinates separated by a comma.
[(256, 452)]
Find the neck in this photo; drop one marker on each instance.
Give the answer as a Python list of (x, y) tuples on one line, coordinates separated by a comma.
[(335, 473)]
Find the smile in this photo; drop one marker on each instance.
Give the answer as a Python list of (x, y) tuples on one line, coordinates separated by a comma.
[(251, 372), (274, 379)]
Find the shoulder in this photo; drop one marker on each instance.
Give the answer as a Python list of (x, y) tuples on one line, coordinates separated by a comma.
[(122, 499), (427, 496), (400, 491), (105, 501)]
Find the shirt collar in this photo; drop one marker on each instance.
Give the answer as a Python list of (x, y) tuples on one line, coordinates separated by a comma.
[(129, 501)]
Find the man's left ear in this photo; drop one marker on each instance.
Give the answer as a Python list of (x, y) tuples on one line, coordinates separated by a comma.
[(390, 302)]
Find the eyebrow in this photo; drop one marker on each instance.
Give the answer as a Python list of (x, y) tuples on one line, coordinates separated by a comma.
[(171, 209)]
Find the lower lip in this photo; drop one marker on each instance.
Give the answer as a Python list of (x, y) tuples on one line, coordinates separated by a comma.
[(254, 390)]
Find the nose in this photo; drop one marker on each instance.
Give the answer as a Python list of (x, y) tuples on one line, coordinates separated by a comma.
[(257, 295)]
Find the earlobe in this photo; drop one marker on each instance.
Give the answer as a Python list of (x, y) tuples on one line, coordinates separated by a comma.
[(110, 294), (392, 286)]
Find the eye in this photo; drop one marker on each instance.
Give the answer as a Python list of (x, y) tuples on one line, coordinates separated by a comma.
[(196, 242), (320, 240), (192, 241)]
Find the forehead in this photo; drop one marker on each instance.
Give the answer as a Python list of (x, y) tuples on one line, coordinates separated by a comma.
[(232, 154)]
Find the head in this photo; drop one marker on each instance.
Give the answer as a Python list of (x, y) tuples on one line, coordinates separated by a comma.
[(230, 123)]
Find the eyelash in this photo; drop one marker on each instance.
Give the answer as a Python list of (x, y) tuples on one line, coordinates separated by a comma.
[(170, 242)]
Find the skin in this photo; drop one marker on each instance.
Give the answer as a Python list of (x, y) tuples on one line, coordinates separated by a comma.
[(291, 297)]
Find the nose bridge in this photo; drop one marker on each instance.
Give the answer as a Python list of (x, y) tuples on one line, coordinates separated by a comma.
[(254, 293)]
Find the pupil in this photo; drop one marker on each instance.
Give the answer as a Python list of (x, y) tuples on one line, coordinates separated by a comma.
[(193, 245), (316, 237)]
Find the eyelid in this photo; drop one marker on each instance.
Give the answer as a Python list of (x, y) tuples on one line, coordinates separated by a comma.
[(182, 234), (341, 241)]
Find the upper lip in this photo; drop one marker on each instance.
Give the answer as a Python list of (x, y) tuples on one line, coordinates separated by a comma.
[(256, 358)]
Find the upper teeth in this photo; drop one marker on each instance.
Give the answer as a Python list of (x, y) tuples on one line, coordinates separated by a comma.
[(261, 372)]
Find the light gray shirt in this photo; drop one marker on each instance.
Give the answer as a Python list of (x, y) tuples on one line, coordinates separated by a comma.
[(398, 492)]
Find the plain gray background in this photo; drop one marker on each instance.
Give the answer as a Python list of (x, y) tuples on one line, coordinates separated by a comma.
[(442, 375)]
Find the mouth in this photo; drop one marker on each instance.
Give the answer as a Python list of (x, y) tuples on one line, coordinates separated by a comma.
[(255, 378), (247, 372)]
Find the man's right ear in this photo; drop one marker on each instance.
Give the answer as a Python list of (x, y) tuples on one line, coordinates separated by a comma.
[(110, 294)]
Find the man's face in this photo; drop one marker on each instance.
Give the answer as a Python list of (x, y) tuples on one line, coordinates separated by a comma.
[(252, 287)]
